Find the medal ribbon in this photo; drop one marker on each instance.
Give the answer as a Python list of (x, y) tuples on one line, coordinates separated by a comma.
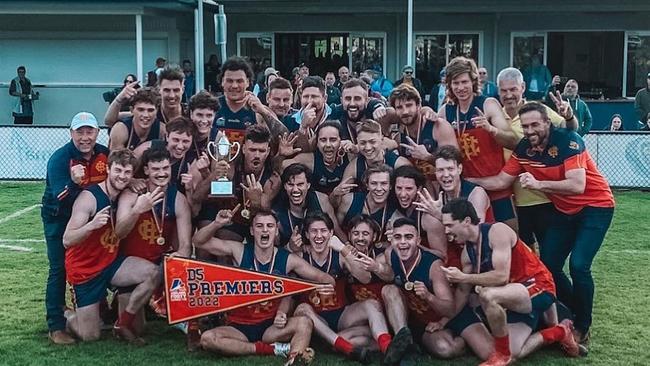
[(408, 273), (160, 225), (255, 261)]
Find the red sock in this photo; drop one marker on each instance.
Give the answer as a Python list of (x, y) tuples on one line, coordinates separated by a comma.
[(342, 345), (552, 334), (262, 348), (126, 319), (383, 341), (502, 345)]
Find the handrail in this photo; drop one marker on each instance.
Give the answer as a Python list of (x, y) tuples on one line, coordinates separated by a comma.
[(69, 85)]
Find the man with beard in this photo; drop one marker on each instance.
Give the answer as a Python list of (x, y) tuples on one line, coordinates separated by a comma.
[(481, 129), (371, 153), (349, 328), (514, 288), (355, 107), (373, 200), (344, 76), (255, 184), (364, 235), (407, 182), (295, 202), (142, 126), (92, 261), (327, 162), (258, 328), (240, 108), (555, 161), (533, 207), (150, 230), (280, 99), (78, 164), (420, 294), (419, 139)]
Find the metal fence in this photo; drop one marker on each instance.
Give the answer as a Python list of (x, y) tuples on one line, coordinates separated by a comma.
[(623, 157)]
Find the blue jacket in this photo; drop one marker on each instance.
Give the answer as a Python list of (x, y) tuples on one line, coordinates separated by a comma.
[(60, 191)]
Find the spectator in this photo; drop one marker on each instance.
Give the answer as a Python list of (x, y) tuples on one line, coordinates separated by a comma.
[(333, 93), (642, 105), (408, 78), (190, 81), (488, 88), (344, 76), (152, 76), (538, 79), (21, 88), (371, 93), (438, 92), (303, 70), (110, 96), (270, 74), (580, 108), (616, 124), (380, 84), (212, 70)]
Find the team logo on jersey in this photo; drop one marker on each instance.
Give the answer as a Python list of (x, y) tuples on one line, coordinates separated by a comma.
[(109, 240), (469, 146), (177, 291), (574, 145), (553, 151), (100, 166), (148, 231), (221, 121)]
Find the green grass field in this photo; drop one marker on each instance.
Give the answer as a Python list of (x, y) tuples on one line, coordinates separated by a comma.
[(620, 331)]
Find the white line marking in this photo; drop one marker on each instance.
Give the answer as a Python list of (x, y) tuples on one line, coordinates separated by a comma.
[(627, 251), (16, 248), (18, 213), (22, 241)]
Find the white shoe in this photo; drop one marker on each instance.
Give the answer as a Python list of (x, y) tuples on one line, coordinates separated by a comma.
[(281, 349)]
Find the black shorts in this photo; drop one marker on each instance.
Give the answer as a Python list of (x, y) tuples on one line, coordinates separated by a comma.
[(332, 318), (94, 290), (503, 209), (253, 332), (540, 303), (462, 320)]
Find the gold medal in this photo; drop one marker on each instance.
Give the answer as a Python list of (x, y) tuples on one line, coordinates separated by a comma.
[(160, 241), (409, 286), (245, 213)]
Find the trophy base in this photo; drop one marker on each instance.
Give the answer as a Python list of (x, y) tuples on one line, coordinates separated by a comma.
[(222, 188)]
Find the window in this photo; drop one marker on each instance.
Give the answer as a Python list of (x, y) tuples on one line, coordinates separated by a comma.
[(593, 59), (524, 45), (434, 51), (258, 50), (638, 59), (367, 53)]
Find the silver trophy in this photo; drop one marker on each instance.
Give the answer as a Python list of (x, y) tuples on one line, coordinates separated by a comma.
[(223, 150)]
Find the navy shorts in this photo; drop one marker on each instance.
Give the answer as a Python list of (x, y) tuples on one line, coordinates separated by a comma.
[(462, 320), (253, 332), (503, 209), (540, 303), (332, 318), (94, 290)]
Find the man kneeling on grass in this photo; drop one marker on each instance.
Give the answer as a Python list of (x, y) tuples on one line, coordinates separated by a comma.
[(91, 257)]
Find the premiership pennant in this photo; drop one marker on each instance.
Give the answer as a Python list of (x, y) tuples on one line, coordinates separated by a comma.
[(196, 288)]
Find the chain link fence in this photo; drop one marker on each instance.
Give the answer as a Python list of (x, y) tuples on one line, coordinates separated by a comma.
[(623, 157)]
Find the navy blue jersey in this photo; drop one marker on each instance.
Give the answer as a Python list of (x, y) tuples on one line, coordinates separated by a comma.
[(323, 179), (233, 124), (133, 140), (390, 159), (485, 251), (286, 220)]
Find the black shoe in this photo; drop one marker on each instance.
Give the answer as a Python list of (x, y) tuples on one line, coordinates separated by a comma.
[(360, 354), (411, 356), (398, 346)]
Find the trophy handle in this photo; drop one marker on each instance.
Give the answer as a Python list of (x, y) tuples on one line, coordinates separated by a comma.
[(209, 148), (234, 156)]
